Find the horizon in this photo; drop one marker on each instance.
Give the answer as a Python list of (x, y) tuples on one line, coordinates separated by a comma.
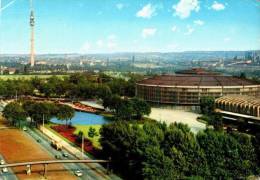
[(120, 26), (110, 53)]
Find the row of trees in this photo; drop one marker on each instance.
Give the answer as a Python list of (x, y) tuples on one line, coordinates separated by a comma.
[(158, 151), (127, 109), (38, 112), (74, 86)]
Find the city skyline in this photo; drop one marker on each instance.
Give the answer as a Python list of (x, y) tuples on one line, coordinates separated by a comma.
[(123, 26)]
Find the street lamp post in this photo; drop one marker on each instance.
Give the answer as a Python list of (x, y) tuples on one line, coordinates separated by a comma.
[(42, 120), (82, 146)]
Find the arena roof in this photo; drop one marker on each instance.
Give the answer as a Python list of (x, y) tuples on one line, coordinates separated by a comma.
[(196, 80), (197, 71)]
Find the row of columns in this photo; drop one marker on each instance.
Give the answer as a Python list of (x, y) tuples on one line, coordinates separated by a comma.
[(241, 106)]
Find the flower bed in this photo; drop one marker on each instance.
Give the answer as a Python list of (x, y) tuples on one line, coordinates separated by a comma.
[(67, 132)]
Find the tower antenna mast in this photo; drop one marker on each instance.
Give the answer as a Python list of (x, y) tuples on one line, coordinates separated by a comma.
[(32, 23)]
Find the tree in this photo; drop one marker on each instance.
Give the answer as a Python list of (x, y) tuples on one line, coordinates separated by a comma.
[(92, 132), (158, 151), (3, 90), (141, 107), (216, 120), (65, 112), (207, 105), (103, 91), (228, 155), (256, 143), (124, 110), (242, 75), (155, 158), (14, 113), (79, 137), (112, 102), (29, 107)]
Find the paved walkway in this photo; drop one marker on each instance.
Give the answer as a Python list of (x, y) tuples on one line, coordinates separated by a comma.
[(179, 116)]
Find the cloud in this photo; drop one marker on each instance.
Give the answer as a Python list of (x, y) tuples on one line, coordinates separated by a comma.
[(148, 32), (100, 43), (184, 8), (111, 37), (174, 28), (85, 47), (147, 11), (189, 31), (120, 6), (173, 47), (227, 39), (112, 41), (199, 22), (112, 45), (218, 6)]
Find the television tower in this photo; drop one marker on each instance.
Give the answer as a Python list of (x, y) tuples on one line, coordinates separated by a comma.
[(32, 23)]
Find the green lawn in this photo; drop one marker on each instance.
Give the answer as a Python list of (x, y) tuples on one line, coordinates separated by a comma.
[(85, 129), (12, 77)]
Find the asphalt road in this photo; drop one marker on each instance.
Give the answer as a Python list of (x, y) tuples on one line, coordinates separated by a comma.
[(88, 172), (8, 175)]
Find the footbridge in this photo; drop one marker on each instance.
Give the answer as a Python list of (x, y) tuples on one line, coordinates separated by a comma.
[(28, 165)]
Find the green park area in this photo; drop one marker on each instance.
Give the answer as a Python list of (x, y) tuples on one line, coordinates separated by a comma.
[(27, 77), (85, 130)]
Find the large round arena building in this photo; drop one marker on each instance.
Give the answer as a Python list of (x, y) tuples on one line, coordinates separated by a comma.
[(186, 89)]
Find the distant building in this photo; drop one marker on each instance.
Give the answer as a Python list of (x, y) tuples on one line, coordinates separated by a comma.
[(41, 62), (11, 70), (187, 89), (249, 55)]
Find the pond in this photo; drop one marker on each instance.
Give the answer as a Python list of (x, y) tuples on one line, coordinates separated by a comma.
[(83, 118)]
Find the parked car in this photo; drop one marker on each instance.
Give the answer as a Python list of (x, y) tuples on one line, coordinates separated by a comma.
[(2, 162)]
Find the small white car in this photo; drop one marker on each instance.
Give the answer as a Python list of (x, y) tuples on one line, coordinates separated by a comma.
[(79, 173), (5, 170), (2, 162), (25, 128)]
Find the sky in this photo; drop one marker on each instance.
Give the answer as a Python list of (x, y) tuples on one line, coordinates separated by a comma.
[(108, 26)]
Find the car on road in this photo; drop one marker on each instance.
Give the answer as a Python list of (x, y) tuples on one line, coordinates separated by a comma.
[(38, 140), (25, 128), (57, 156), (4, 170), (65, 154), (2, 162), (78, 173)]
